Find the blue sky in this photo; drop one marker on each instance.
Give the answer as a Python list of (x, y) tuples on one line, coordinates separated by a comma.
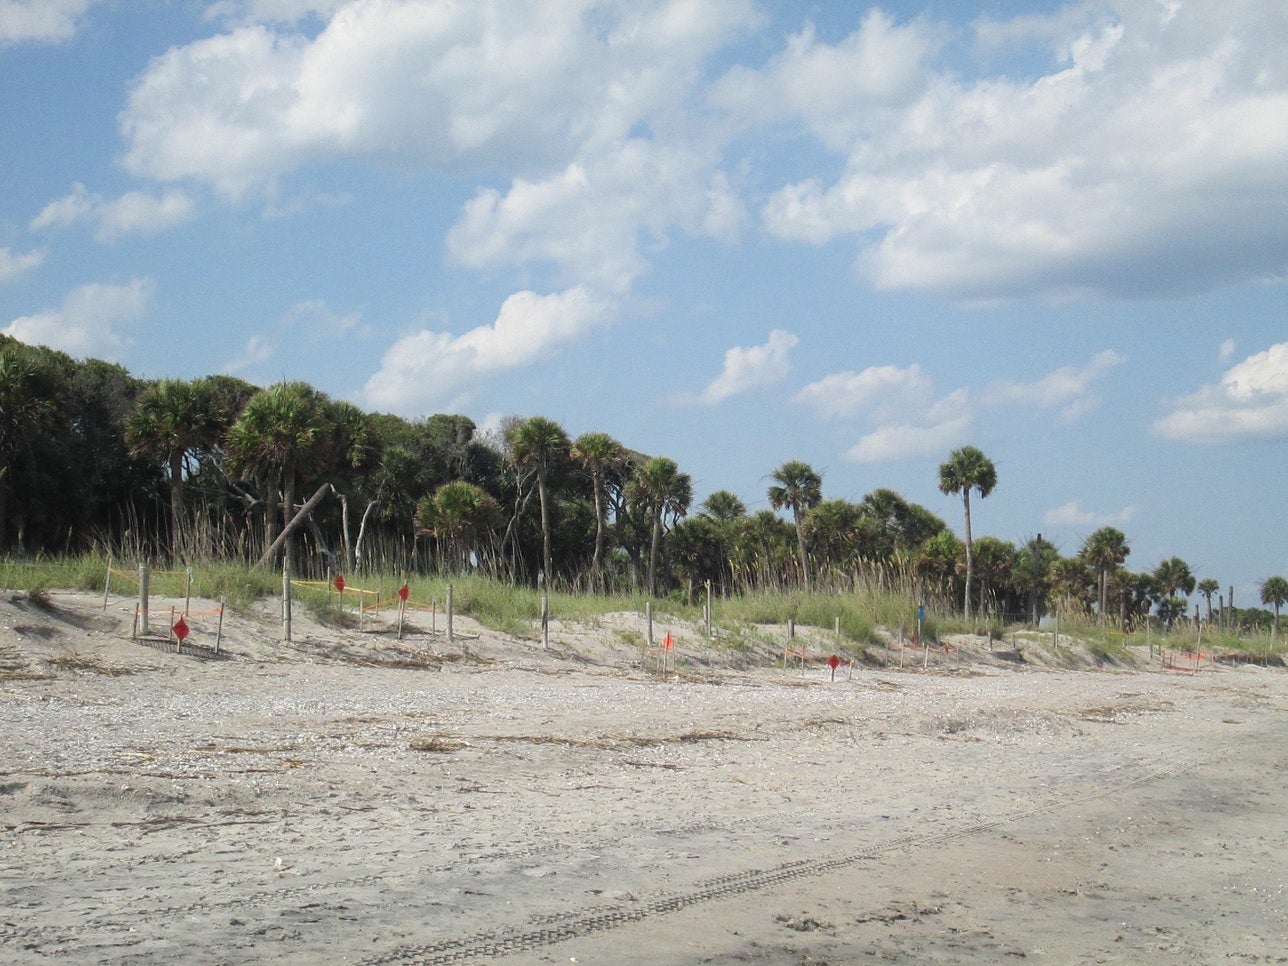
[(733, 233)]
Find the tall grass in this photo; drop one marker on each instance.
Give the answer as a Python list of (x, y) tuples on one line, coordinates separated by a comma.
[(514, 609)]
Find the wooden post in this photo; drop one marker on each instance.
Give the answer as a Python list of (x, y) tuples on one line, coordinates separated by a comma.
[(545, 621), (402, 608), (169, 632), (791, 628), (219, 631), (708, 610), (648, 619), (187, 600), (838, 632), (286, 602), (143, 600), (450, 630), (107, 582)]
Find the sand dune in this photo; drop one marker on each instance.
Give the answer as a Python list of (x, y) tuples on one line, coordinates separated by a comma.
[(352, 798)]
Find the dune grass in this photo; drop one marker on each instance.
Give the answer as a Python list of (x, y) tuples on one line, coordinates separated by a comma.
[(516, 610)]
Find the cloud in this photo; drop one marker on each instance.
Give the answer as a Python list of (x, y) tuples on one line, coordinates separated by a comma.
[(319, 322), (243, 12), (910, 441), (592, 218), (134, 213), (597, 104), (429, 368), (1226, 352), (45, 21), (747, 368), (911, 418), (84, 325), (1073, 515), (12, 264), (841, 92), (1067, 388), (1250, 402), (1147, 159), (422, 83), (257, 351)]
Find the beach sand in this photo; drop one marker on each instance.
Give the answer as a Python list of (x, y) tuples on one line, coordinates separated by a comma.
[(353, 798)]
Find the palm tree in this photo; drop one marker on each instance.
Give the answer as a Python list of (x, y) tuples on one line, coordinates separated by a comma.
[(1274, 591), (540, 444), (279, 436), (660, 489), (1071, 583), (725, 511), (1207, 587), (994, 565), (31, 394), (1174, 575), (1032, 573), (457, 515), (796, 485), (597, 452), (1105, 550), (171, 419), (967, 469), (832, 528)]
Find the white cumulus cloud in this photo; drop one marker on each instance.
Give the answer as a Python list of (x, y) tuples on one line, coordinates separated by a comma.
[(88, 321), (133, 213), (46, 21), (747, 368), (1072, 514), (430, 368), (1250, 402), (910, 417), (13, 264), (1150, 157), (1067, 389)]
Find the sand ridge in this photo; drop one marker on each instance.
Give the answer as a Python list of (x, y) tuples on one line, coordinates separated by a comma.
[(355, 798)]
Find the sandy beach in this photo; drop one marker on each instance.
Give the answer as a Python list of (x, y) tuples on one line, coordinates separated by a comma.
[(352, 798)]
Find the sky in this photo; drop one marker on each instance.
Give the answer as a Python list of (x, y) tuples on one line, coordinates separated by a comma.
[(733, 233)]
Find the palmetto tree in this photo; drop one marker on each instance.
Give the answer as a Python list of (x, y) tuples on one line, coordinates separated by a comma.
[(967, 469), (1207, 587), (726, 513), (597, 452), (661, 490), (171, 420), (798, 486), (1173, 576), (1104, 551), (458, 515), (31, 392), (1274, 592), (280, 435), (540, 444), (1032, 573), (994, 566)]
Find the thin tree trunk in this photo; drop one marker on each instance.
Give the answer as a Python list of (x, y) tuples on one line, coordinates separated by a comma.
[(362, 531), (597, 560), (291, 527), (800, 544), (545, 529), (970, 561), (176, 501), (652, 554)]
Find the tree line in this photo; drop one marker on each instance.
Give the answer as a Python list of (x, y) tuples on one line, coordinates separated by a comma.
[(92, 457)]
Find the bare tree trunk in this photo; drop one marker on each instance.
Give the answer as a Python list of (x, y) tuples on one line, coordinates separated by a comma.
[(291, 527), (362, 530)]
